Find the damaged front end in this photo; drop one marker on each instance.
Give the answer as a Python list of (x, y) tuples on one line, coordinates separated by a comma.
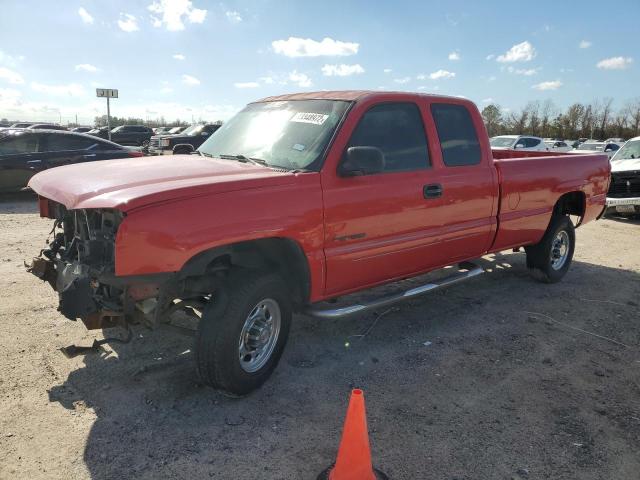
[(79, 258), (79, 263)]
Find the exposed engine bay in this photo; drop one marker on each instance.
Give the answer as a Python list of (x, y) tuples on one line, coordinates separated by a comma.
[(79, 263)]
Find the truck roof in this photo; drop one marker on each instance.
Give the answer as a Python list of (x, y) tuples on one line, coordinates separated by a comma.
[(350, 95)]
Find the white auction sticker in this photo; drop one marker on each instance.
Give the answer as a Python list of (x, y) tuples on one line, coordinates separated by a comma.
[(307, 117)]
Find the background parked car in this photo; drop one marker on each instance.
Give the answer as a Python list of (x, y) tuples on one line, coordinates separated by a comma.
[(46, 126), (25, 152), (22, 124), (557, 146), (138, 135), (81, 129), (185, 142), (597, 147), (518, 142), (624, 191)]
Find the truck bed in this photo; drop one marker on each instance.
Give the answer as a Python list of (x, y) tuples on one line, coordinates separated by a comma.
[(530, 184)]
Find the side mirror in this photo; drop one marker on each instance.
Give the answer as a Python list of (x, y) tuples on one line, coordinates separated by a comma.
[(519, 145), (362, 161)]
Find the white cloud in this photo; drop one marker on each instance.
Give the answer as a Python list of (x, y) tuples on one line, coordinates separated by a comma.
[(402, 80), (246, 84), (10, 60), (387, 70), (170, 13), (179, 56), (455, 55), (441, 74), (584, 44), (69, 90), (527, 72), (10, 76), (487, 100), (128, 23), (306, 47), (86, 67), (551, 85), (268, 80), (300, 79), (615, 63), (166, 90), (189, 80), (85, 16), (233, 16), (342, 70), (522, 52), (491, 56)]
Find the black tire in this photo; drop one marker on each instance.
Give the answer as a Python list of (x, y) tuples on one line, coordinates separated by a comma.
[(219, 333), (544, 258), (182, 151)]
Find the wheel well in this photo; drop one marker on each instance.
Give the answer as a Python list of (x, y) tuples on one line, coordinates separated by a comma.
[(572, 203), (273, 254)]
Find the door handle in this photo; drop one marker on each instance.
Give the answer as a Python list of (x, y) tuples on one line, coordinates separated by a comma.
[(433, 190)]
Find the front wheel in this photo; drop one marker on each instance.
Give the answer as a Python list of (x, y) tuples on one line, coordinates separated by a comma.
[(551, 257), (243, 332)]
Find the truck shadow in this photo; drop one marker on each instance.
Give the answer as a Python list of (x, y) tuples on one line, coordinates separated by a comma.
[(155, 419), (18, 203)]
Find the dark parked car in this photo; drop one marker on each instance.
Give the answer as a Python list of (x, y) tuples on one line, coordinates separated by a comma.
[(138, 135), (185, 142), (46, 126), (82, 129), (23, 153)]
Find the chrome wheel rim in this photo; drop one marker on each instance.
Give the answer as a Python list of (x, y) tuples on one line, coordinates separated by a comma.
[(559, 250), (259, 335)]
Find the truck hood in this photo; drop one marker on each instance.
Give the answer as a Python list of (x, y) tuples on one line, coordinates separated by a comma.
[(130, 183), (625, 165)]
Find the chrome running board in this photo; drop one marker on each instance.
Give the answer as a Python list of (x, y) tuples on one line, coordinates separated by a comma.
[(472, 270)]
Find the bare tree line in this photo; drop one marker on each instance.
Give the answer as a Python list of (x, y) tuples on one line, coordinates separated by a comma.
[(597, 119)]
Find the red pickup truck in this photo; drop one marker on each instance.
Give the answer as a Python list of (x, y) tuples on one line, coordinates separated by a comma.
[(297, 200)]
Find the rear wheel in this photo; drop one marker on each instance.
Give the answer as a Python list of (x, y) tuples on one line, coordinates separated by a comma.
[(243, 332), (551, 257)]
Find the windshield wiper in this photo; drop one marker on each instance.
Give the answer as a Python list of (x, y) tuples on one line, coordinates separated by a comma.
[(205, 154), (244, 159)]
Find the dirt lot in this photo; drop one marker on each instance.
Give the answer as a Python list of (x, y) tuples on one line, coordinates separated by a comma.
[(497, 393)]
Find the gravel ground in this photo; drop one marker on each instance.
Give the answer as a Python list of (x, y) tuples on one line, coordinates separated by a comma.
[(498, 378)]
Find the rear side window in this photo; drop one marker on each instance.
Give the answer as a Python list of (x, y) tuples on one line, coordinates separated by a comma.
[(56, 143), (531, 142), (397, 130), (25, 143), (458, 136)]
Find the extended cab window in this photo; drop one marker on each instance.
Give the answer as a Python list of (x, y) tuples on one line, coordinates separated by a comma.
[(458, 137), (397, 130)]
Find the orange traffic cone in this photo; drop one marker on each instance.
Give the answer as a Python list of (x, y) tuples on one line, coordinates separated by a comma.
[(354, 456)]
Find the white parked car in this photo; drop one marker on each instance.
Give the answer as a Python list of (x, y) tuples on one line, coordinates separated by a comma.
[(518, 142), (624, 190), (609, 148), (558, 146)]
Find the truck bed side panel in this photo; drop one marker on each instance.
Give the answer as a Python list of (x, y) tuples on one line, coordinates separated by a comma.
[(531, 186)]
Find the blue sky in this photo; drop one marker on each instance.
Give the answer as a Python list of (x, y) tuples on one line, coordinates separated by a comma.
[(205, 59)]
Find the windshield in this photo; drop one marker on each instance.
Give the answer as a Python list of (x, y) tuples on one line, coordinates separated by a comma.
[(291, 134), (117, 129), (502, 141), (629, 151), (192, 130), (175, 129)]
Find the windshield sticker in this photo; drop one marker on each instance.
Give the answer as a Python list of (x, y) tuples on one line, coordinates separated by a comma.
[(298, 147), (307, 117)]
